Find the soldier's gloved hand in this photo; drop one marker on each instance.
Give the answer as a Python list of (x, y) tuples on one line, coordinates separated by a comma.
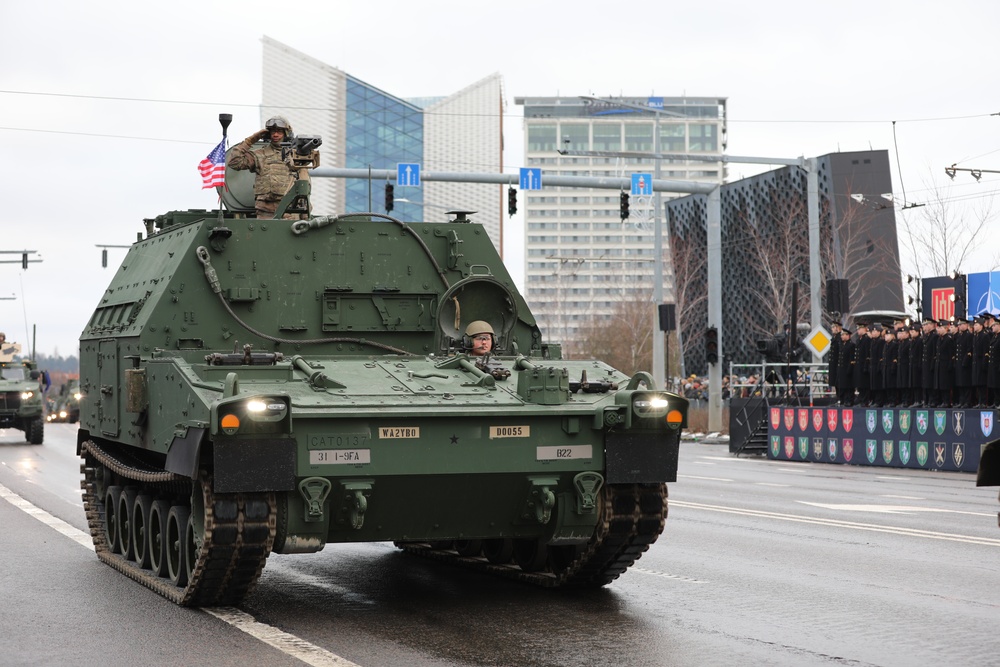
[(256, 136)]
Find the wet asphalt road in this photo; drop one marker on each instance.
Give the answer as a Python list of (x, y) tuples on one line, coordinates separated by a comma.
[(761, 563)]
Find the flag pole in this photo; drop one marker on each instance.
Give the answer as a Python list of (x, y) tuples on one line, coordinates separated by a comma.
[(224, 119)]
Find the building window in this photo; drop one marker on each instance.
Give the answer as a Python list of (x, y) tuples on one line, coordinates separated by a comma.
[(607, 137), (672, 137), (541, 138), (704, 138), (639, 137), (575, 136)]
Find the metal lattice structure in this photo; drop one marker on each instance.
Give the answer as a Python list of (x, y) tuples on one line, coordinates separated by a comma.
[(765, 245)]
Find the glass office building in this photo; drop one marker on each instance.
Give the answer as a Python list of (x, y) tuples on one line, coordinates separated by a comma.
[(364, 127)]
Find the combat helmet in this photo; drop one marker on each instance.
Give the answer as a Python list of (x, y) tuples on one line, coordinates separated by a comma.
[(281, 123), (479, 327)]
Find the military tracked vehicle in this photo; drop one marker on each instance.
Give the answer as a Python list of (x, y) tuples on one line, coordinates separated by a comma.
[(21, 403), (254, 386)]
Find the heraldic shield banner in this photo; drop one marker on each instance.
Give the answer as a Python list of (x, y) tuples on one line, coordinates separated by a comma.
[(932, 439)]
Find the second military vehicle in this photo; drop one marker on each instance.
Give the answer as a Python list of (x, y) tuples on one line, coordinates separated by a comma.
[(254, 386), (21, 404), (66, 406)]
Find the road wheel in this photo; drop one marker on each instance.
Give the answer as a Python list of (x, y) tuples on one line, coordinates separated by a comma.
[(530, 555), (498, 551), (36, 431), (111, 499), (126, 505), (177, 522), (468, 548), (139, 527), (157, 534)]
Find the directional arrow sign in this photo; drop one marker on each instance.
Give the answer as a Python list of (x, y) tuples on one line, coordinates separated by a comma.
[(408, 173), (531, 179), (642, 184)]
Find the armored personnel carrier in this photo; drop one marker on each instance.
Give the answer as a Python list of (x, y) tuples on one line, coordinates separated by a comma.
[(21, 404), (254, 386)]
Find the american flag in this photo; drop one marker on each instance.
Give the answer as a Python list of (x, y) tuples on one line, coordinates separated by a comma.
[(213, 167)]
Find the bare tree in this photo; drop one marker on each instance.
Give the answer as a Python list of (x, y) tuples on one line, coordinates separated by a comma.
[(941, 235), (689, 269), (625, 339), (778, 256)]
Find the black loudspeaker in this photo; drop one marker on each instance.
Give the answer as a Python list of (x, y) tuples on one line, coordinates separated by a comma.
[(837, 295), (668, 321)]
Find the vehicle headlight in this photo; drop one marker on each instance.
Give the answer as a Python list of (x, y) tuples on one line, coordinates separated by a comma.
[(78, 396), (650, 405), (261, 412), (25, 395)]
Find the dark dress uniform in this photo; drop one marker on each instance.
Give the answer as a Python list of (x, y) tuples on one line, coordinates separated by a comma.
[(963, 367), (845, 371), (833, 361), (944, 368), (927, 368), (878, 370), (863, 369), (980, 362), (902, 397), (993, 367), (890, 366), (916, 396)]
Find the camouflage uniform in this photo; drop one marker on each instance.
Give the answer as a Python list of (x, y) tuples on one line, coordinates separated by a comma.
[(275, 175)]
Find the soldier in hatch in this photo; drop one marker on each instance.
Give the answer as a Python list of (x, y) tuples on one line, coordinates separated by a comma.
[(8, 350), (275, 171), (481, 338)]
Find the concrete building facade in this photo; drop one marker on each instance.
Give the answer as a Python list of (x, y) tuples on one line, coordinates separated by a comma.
[(581, 258)]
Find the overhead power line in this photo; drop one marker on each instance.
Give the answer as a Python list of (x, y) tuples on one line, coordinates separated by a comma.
[(114, 98)]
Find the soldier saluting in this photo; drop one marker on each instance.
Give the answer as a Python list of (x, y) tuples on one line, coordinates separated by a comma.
[(274, 167)]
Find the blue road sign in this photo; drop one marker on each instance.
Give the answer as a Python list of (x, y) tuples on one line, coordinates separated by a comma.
[(408, 173), (642, 184), (531, 179)]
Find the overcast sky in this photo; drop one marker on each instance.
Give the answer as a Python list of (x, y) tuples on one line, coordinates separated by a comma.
[(106, 108)]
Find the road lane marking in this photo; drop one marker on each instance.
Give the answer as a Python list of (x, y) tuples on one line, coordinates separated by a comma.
[(675, 577), (784, 486), (279, 639), (69, 531), (886, 495), (888, 509), (283, 641), (837, 523), (711, 479)]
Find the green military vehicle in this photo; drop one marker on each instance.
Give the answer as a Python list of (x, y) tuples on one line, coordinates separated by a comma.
[(21, 403), (254, 386), (66, 406)]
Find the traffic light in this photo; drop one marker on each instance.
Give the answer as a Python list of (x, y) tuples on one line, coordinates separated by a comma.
[(712, 345), (104, 258), (511, 201), (624, 206), (388, 197), (24, 260)]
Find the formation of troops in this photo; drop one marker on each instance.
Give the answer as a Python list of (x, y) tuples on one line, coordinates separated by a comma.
[(936, 363)]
